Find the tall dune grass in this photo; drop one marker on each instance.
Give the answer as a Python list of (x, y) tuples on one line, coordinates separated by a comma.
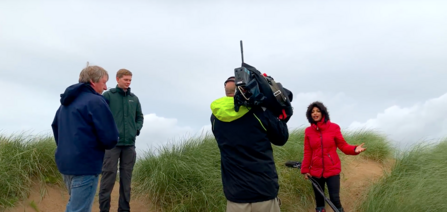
[(24, 160), (377, 147), (183, 177), (416, 183), (186, 177)]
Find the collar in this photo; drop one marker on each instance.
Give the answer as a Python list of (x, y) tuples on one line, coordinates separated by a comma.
[(121, 91), (321, 125)]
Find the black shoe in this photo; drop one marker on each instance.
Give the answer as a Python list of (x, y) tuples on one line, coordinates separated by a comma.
[(320, 209)]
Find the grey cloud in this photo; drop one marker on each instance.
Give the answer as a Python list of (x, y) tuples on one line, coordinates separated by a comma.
[(375, 53), (158, 132), (407, 126), (25, 109)]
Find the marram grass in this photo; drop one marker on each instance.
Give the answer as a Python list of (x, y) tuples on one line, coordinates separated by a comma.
[(23, 161), (186, 177), (416, 183)]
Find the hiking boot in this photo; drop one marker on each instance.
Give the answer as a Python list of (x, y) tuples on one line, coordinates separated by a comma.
[(320, 209)]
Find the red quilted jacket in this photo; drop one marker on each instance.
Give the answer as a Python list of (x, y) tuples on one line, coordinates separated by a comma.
[(320, 149)]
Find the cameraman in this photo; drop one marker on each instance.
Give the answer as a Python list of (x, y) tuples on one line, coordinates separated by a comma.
[(249, 177)]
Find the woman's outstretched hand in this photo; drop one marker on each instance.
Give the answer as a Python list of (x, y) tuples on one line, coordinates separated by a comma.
[(360, 148), (307, 175)]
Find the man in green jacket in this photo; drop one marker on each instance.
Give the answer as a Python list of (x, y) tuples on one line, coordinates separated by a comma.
[(127, 113)]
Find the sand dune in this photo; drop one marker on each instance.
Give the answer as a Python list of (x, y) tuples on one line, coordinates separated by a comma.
[(357, 175)]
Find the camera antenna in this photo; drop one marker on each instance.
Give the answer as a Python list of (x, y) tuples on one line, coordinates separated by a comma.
[(242, 52)]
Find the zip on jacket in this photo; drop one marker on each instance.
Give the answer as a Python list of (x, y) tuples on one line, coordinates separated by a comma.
[(322, 150), (126, 110)]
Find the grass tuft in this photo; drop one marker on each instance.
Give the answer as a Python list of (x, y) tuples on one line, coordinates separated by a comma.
[(24, 159), (416, 183)]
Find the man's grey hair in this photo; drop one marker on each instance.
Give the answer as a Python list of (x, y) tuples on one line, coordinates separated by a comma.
[(92, 73)]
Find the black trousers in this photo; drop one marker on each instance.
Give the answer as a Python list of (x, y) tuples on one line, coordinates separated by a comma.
[(126, 156), (333, 185)]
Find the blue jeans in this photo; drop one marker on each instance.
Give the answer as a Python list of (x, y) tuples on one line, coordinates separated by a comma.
[(82, 190)]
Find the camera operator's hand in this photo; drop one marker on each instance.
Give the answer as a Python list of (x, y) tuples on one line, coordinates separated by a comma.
[(286, 114), (307, 175)]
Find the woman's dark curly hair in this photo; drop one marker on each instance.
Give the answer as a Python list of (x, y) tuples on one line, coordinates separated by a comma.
[(322, 108)]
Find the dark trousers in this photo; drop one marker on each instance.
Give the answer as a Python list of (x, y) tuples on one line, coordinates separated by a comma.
[(126, 156), (333, 185)]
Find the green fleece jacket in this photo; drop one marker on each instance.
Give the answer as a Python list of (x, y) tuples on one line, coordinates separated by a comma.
[(126, 110)]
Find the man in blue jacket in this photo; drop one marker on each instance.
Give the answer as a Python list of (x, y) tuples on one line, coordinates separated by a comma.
[(83, 129)]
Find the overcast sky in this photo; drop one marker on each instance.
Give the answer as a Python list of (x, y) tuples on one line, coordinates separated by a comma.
[(375, 64)]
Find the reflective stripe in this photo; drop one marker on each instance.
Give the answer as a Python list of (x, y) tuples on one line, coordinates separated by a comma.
[(260, 122)]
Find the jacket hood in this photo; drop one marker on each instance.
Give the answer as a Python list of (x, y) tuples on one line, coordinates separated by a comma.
[(223, 109), (323, 109), (73, 91)]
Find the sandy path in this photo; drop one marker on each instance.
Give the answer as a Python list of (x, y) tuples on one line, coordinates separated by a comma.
[(54, 199), (356, 177)]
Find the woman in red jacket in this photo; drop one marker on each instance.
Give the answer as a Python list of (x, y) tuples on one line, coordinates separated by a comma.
[(321, 160)]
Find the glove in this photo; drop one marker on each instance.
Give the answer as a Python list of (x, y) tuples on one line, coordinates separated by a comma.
[(138, 132), (284, 117)]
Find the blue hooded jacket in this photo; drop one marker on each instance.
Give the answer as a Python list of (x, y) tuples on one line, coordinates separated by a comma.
[(83, 128)]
